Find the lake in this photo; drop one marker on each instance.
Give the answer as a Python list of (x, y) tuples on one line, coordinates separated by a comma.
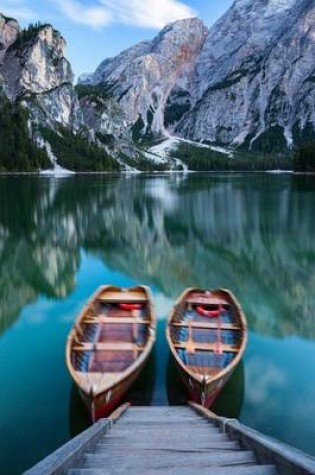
[(61, 238)]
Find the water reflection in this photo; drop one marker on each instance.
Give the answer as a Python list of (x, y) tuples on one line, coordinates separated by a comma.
[(59, 239), (253, 235), (230, 402), (141, 393), (78, 416)]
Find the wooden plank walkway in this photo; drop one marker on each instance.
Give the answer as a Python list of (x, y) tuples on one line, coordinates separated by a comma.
[(172, 441)]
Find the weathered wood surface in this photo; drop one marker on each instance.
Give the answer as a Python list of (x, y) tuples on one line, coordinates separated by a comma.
[(71, 454), (206, 347), (207, 325), (289, 461), (170, 441), (173, 441), (260, 470)]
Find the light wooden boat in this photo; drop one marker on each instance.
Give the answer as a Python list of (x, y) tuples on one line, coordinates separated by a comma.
[(207, 335), (109, 345)]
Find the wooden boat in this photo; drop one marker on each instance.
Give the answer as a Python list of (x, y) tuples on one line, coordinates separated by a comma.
[(207, 335), (109, 345)]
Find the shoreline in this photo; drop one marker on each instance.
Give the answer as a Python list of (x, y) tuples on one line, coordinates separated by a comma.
[(154, 172)]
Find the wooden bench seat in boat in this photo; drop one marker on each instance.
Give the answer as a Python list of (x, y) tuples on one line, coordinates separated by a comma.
[(119, 297), (204, 300), (206, 325), (206, 347), (110, 346), (115, 321)]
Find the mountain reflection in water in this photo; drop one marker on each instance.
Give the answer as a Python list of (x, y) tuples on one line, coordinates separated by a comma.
[(254, 235), (61, 238)]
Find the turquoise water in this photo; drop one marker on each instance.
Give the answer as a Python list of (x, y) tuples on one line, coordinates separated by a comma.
[(61, 238)]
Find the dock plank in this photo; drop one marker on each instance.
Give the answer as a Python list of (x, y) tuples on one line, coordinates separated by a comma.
[(236, 470), (217, 459), (149, 446), (166, 441)]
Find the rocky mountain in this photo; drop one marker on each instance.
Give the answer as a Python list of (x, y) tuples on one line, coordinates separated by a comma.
[(35, 69), (9, 30), (255, 77), (247, 83), (144, 78), (36, 76)]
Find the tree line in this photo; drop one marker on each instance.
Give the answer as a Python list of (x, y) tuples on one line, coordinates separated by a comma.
[(304, 158), (17, 151)]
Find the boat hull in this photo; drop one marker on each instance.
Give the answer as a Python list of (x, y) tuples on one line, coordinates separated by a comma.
[(102, 405), (203, 394)]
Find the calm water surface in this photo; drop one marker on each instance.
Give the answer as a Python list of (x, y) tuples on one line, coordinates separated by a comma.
[(61, 238)]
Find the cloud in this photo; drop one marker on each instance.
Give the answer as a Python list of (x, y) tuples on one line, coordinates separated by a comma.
[(149, 13), (145, 14), (96, 16), (18, 11), (264, 378)]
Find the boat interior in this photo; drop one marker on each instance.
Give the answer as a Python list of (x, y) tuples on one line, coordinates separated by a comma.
[(206, 332), (113, 332)]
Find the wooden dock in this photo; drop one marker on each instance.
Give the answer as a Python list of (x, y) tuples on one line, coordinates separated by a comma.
[(173, 441)]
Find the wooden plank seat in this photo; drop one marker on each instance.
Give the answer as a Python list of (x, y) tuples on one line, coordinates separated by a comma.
[(110, 346), (194, 346), (207, 325), (116, 320), (117, 300), (204, 300), (122, 297)]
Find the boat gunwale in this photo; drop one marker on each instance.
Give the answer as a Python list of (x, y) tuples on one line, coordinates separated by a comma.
[(130, 370), (244, 329)]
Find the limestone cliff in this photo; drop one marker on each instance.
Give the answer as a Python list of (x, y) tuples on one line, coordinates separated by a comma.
[(141, 79), (248, 82)]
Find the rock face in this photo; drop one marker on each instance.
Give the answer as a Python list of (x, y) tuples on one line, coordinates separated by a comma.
[(9, 30), (141, 79), (35, 68), (255, 76), (36, 64), (247, 81)]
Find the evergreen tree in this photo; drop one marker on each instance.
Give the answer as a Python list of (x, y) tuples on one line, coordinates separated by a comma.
[(304, 158), (17, 151)]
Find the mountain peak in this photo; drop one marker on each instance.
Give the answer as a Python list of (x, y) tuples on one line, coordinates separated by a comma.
[(9, 31), (191, 22)]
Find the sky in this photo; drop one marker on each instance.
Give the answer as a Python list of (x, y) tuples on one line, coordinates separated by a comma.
[(98, 29)]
